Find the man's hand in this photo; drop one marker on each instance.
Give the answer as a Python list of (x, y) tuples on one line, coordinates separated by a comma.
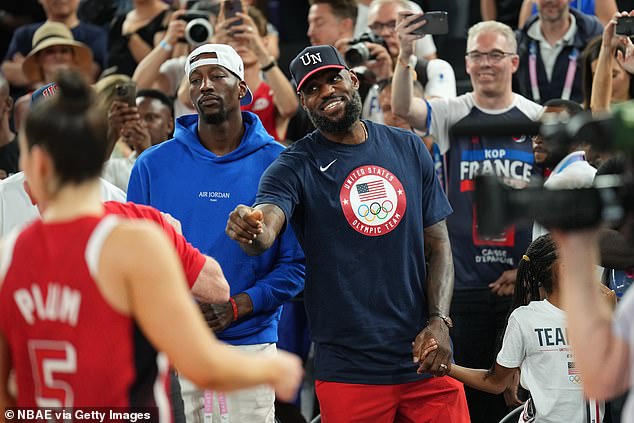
[(120, 113), (438, 360), (404, 32), (244, 224), (217, 316), (175, 28), (136, 135), (381, 65), (505, 284)]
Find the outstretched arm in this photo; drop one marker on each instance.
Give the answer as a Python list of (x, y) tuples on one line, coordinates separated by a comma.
[(494, 380), (602, 356), (255, 229)]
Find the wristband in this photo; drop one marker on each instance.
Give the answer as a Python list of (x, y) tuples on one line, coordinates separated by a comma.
[(269, 66), (234, 306), (165, 45)]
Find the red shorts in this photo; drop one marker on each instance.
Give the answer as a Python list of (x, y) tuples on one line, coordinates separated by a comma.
[(437, 399)]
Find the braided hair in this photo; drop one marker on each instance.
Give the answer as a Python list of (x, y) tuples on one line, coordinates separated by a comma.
[(535, 270)]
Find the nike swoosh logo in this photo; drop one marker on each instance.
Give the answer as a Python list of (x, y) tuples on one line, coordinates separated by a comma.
[(325, 168)]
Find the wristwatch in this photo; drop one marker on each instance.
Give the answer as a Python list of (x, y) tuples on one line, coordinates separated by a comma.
[(446, 319)]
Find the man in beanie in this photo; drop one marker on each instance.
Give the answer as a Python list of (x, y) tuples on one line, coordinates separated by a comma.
[(213, 163), (367, 208)]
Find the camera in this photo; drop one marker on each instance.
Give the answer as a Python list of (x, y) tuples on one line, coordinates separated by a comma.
[(358, 53), (610, 200), (198, 29)]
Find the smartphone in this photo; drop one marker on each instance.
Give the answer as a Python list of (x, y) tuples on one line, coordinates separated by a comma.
[(230, 8), (625, 25), (437, 24), (126, 92)]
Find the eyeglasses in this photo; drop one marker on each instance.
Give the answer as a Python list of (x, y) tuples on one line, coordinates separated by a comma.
[(377, 27), (494, 56)]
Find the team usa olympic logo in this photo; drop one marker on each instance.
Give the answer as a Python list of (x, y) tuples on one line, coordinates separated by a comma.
[(373, 200)]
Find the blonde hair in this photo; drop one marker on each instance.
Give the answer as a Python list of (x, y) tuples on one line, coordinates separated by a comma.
[(496, 27)]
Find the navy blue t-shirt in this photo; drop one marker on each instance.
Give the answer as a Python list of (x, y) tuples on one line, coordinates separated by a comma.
[(478, 261), (359, 212), (93, 36)]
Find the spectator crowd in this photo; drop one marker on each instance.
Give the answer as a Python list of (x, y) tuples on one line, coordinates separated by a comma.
[(221, 122)]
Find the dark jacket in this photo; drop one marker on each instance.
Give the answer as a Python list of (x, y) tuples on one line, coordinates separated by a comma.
[(588, 27)]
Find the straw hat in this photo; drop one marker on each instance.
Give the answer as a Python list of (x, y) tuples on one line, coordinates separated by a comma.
[(55, 34)]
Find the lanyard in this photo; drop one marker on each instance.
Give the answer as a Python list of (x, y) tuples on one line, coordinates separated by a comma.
[(208, 406), (570, 73)]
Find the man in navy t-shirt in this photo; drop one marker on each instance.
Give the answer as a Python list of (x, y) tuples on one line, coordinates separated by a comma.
[(368, 210)]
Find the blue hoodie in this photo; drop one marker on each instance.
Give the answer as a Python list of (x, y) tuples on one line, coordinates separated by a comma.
[(199, 188)]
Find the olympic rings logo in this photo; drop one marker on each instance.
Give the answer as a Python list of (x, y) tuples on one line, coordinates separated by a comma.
[(375, 210), (574, 378)]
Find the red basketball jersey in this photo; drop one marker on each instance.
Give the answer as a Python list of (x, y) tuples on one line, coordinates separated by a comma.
[(69, 347), (191, 259)]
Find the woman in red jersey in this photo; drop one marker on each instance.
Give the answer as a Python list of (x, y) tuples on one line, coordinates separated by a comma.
[(93, 306)]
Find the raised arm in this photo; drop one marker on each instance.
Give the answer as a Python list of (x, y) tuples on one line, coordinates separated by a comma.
[(602, 81), (147, 74), (255, 229), (489, 10), (602, 356), (404, 103)]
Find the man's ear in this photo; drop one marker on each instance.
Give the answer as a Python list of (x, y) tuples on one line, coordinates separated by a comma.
[(302, 101), (243, 89), (354, 79)]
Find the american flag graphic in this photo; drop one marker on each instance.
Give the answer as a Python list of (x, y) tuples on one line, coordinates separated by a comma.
[(372, 190), (572, 370)]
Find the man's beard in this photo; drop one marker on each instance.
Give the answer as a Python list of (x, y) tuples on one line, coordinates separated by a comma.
[(215, 118), (351, 115)]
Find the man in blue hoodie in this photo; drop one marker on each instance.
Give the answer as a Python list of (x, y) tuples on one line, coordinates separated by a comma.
[(213, 163)]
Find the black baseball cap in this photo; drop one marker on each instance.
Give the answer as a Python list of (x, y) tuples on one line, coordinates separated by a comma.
[(312, 60)]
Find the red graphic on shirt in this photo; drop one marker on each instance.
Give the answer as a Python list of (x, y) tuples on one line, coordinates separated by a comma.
[(373, 200)]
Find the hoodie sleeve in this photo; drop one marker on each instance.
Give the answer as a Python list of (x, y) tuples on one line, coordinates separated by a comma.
[(138, 185), (285, 280)]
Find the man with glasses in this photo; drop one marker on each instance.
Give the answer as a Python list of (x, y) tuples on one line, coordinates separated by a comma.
[(549, 47), (484, 267)]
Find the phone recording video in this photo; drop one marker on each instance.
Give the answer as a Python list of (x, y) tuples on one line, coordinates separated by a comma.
[(437, 24), (126, 92), (231, 8)]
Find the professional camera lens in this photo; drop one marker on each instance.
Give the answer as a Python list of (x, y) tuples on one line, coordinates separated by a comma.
[(198, 31), (357, 55)]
